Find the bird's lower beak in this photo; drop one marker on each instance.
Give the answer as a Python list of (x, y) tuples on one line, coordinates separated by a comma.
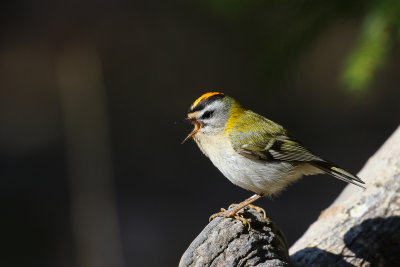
[(197, 127)]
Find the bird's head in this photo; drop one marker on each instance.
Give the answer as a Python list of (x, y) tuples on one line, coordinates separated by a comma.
[(210, 113)]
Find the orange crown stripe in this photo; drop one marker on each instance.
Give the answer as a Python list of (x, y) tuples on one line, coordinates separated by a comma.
[(204, 97)]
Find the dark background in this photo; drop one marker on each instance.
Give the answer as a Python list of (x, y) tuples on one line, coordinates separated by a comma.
[(91, 166)]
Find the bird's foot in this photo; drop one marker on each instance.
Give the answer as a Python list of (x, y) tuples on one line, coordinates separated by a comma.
[(235, 208), (251, 206), (231, 214)]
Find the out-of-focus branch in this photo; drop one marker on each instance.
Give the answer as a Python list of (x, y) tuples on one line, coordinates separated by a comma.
[(93, 208)]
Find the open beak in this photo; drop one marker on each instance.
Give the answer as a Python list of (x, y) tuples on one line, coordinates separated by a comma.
[(197, 127)]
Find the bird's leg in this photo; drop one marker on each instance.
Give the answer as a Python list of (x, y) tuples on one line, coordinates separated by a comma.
[(247, 202), (237, 207)]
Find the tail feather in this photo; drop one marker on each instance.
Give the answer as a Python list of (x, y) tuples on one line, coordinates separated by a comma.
[(338, 173)]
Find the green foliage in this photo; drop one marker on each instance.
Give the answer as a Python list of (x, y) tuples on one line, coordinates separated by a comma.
[(276, 33), (379, 34)]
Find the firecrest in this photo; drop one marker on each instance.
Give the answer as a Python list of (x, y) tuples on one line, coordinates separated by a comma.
[(253, 152)]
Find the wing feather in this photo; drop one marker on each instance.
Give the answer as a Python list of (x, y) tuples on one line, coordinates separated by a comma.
[(258, 138)]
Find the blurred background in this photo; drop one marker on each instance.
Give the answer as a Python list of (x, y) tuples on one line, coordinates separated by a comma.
[(92, 170)]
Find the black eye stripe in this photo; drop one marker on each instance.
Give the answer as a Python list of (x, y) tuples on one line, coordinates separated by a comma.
[(208, 114)]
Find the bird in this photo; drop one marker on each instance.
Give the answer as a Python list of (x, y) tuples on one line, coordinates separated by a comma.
[(253, 152)]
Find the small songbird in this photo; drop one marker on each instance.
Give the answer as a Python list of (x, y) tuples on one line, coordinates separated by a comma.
[(253, 152)]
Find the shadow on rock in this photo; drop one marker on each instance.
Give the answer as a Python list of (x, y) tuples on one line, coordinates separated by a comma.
[(375, 242)]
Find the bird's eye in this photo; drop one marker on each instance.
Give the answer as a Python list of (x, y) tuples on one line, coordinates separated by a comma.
[(207, 114)]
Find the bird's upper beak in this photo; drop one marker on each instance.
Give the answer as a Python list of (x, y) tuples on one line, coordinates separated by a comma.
[(197, 126)]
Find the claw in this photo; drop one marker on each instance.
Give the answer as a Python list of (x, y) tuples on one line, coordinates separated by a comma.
[(235, 208), (222, 213), (243, 220), (258, 209), (228, 214)]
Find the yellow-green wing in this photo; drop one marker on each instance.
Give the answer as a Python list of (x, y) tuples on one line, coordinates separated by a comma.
[(256, 137)]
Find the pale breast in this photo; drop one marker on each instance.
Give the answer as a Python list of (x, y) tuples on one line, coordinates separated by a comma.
[(261, 177)]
